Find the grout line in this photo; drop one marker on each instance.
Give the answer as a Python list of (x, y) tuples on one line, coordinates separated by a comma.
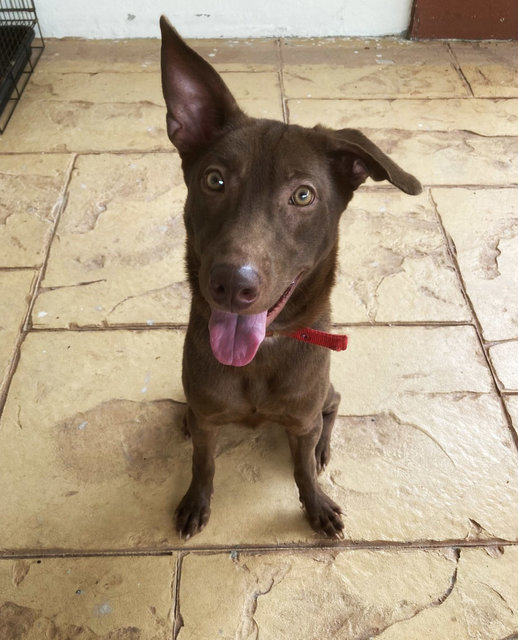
[(284, 99), (90, 152), (492, 343), (392, 97), (15, 269), (384, 97), (323, 545), (11, 370), (183, 326), (113, 327), (177, 615), (43, 269), (24, 329), (476, 323), (164, 150)]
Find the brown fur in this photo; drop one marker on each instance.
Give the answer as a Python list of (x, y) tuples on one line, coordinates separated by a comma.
[(256, 235)]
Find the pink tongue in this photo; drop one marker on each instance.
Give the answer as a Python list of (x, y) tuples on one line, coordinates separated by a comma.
[(234, 338)]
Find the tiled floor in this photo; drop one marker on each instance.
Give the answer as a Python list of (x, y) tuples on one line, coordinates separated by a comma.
[(94, 304)]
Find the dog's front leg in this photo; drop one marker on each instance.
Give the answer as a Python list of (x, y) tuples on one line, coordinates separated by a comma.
[(193, 512), (323, 514), (329, 411)]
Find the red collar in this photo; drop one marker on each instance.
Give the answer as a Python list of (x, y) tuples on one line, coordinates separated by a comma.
[(312, 336)]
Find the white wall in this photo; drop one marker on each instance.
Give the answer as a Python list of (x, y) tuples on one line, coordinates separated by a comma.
[(223, 18)]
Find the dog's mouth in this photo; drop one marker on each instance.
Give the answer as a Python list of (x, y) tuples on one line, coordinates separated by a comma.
[(274, 311), (235, 338)]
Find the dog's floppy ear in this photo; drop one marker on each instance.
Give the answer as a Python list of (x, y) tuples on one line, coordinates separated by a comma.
[(199, 104), (364, 159)]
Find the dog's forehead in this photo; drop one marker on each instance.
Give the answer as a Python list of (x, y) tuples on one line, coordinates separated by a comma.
[(274, 145)]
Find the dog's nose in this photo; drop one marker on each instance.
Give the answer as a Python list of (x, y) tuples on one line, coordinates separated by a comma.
[(234, 288)]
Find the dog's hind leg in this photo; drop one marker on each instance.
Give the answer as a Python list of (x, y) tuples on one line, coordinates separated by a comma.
[(329, 411)]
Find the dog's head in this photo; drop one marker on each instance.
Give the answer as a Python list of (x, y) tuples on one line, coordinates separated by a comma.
[(263, 206)]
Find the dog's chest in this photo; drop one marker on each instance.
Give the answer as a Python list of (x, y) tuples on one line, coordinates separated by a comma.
[(254, 400)]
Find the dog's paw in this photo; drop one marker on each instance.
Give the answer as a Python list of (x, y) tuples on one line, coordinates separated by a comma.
[(324, 515), (192, 515)]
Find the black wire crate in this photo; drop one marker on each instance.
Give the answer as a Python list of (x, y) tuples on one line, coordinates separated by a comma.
[(21, 45)]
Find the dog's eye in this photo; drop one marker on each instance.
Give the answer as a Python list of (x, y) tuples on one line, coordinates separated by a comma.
[(302, 196), (214, 180)]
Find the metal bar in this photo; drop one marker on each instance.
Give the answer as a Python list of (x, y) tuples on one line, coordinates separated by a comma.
[(21, 45)]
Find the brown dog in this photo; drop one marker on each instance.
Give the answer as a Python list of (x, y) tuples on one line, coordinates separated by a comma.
[(262, 211)]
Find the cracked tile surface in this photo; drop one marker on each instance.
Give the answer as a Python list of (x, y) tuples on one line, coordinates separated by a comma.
[(90, 598), (483, 117), (93, 458), (356, 594), (483, 226), (360, 69), (66, 110), (490, 67), (118, 253), (393, 263), (504, 357), (512, 406), (31, 195)]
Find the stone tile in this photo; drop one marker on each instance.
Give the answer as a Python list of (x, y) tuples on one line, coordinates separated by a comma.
[(341, 68), (448, 158), (118, 254), (504, 357), (422, 433), (483, 225), (511, 402), (31, 194), (123, 88), (84, 126), (72, 55), (481, 116), (92, 452), (393, 263), (451, 357), (15, 292), (79, 55), (113, 111), (88, 112), (491, 68), (129, 598), (100, 443), (395, 594), (360, 52), (314, 81), (407, 362), (95, 88)]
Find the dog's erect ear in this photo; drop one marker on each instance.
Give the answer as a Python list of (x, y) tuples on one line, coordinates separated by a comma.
[(364, 159), (199, 104)]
